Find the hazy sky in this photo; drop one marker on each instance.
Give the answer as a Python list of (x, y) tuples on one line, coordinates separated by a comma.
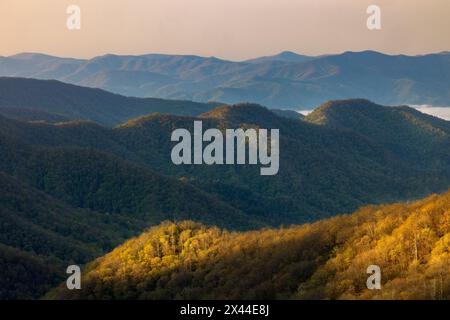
[(231, 29)]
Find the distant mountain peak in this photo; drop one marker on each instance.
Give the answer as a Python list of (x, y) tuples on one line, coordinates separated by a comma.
[(364, 52), (29, 55), (287, 53), (37, 57), (284, 56)]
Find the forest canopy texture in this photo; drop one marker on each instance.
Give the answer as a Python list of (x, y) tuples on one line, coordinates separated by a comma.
[(324, 260)]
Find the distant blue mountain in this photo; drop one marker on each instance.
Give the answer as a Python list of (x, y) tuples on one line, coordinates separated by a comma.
[(285, 56), (286, 80)]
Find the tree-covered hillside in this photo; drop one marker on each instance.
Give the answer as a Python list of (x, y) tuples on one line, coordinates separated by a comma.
[(40, 236), (326, 260), (416, 137), (49, 100), (90, 178), (324, 168)]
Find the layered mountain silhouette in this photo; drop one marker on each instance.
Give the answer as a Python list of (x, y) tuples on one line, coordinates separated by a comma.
[(286, 80), (72, 190)]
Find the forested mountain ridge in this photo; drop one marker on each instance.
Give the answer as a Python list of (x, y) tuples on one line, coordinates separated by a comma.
[(50, 100), (323, 168), (412, 135), (314, 160), (90, 178), (325, 260)]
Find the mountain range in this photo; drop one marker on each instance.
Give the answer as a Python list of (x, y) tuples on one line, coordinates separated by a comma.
[(286, 80)]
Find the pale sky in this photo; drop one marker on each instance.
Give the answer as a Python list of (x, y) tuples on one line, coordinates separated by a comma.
[(229, 29)]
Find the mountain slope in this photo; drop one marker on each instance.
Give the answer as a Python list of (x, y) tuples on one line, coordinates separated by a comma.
[(89, 178), (74, 102), (324, 260), (19, 270), (405, 131), (40, 236)]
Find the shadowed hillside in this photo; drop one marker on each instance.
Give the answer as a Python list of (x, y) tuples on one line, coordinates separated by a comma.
[(52, 99), (41, 235), (324, 169)]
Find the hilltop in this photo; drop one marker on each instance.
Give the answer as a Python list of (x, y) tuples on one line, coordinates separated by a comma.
[(403, 130)]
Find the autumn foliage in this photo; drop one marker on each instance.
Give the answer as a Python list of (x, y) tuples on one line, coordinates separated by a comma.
[(323, 260)]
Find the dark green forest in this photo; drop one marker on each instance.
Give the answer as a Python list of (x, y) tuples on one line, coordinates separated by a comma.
[(53, 101)]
